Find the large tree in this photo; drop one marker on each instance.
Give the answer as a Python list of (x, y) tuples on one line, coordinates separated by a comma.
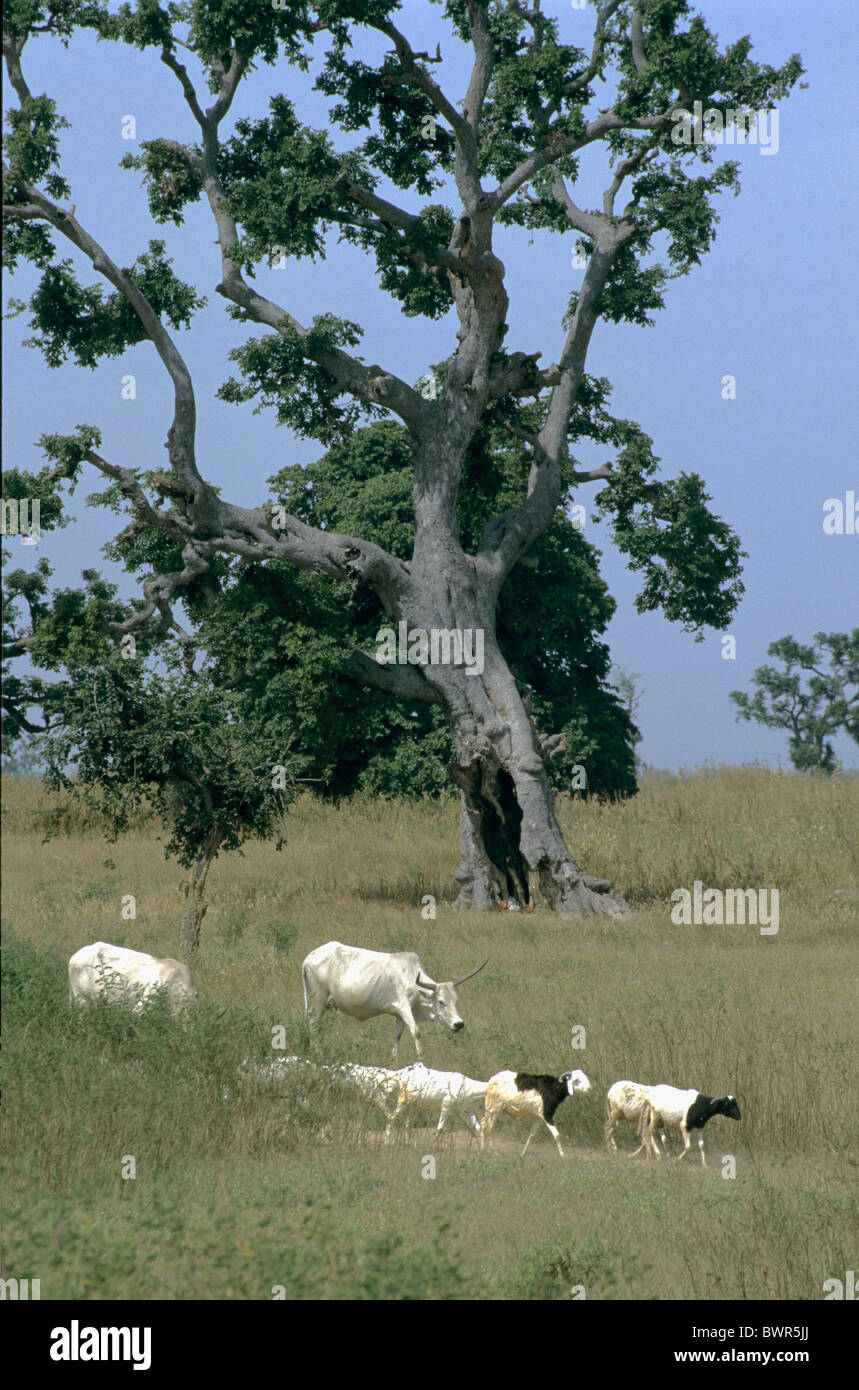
[(281, 632), (506, 153)]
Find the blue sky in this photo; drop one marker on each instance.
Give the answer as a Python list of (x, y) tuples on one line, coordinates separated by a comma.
[(771, 305)]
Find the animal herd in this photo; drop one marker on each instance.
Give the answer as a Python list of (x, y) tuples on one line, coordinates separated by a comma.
[(364, 984)]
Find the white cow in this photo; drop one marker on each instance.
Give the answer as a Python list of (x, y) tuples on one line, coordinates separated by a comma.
[(129, 977), (364, 984), (421, 1088)]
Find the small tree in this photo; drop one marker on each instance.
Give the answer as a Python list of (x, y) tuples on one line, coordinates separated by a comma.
[(129, 736), (811, 702)]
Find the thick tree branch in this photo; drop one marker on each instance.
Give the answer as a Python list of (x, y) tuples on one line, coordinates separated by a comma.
[(484, 62), (587, 222), (389, 217), (582, 79), (508, 536), (560, 146), (465, 171), (406, 681), (13, 47), (636, 37), (645, 152), (371, 385)]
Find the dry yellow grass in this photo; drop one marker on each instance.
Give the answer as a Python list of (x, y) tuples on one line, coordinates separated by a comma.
[(249, 1186)]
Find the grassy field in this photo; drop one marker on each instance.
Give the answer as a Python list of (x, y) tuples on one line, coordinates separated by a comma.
[(241, 1193)]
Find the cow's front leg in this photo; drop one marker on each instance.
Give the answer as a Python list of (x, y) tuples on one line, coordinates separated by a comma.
[(406, 1019)]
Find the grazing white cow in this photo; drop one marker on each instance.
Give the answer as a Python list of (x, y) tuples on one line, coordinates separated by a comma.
[(421, 1088), (364, 984), (125, 976)]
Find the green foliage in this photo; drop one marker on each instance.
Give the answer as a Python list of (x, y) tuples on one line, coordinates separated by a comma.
[(128, 735), (68, 451), (274, 639), (809, 701), (78, 321), (405, 262), (561, 1268), (409, 145), (32, 148), (168, 180), (278, 371), (549, 621), (281, 181), (690, 558)]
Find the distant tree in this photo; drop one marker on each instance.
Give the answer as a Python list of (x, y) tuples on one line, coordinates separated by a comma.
[(814, 697), (134, 728)]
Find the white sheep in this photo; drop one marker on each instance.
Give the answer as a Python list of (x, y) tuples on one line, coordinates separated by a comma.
[(626, 1101), (667, 1107), (523, 1093), (421, 1088), (376, 1084)]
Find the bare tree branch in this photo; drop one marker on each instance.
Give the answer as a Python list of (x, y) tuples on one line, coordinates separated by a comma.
[(180, 437), (636, 35), (371, 385)]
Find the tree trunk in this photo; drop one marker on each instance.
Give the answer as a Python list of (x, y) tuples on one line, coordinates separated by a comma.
[(511, 845), (196, 908)]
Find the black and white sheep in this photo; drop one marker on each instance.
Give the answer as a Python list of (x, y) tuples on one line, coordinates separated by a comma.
[(667, 1107), (522, 1093)]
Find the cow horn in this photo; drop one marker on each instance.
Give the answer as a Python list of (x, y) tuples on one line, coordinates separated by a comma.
[(426, 984), (457, 983)]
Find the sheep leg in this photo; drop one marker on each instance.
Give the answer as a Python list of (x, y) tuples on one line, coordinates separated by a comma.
[(487, 1127), (642, 1136), (445, 1111), (687, 1143), (535, 1126), (390, 1117), (648, 1130), (474, 1124), (555, 1135)]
